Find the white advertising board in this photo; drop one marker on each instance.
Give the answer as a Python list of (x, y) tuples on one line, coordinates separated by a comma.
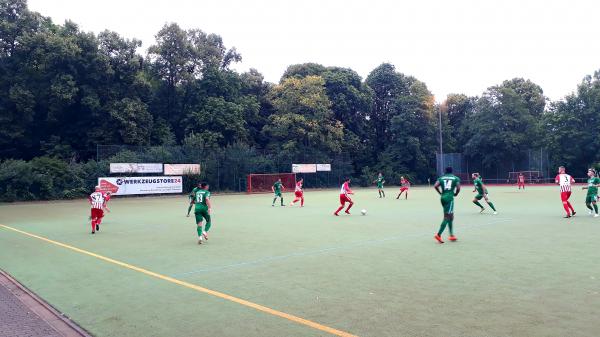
[(324, 167), (136, 167), (179, 169), (304, 168), (141, 185)]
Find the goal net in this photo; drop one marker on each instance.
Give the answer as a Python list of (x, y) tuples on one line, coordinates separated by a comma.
[(530, 177), (258, 183)]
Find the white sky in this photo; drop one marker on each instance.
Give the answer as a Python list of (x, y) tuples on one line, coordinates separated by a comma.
[(460, 46)]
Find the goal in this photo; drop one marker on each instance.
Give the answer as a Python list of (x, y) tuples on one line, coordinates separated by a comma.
[(258, 183), (530, 176)]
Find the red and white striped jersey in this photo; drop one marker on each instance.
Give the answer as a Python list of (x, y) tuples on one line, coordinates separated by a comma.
[(97, 200), (298, 187), (345, 189), (565, 181)]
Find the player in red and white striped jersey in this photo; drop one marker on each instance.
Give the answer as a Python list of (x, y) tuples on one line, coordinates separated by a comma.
[(298, 193), (564, 181), (96, 200), (344, 197), (106, 196)]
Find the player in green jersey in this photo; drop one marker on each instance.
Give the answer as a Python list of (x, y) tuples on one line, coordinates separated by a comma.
[(277, 188), (191, 197), (482, 193), (202, 211), (380, 181), (592, 191), (448, 186)]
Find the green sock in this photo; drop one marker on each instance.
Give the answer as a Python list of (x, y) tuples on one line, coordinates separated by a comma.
[(442, 227), (382, 192), (450, 227), (589, 206), (596, 208), (274, 199), (281, 201), (478, 204), (207, 226), (492, 205), (199, 229), (190, 208)]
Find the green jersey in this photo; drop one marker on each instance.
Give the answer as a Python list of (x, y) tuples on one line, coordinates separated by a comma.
[(479, 186), (200, 197), (277, 186), (449, 183), (380, 181), (592, 189)]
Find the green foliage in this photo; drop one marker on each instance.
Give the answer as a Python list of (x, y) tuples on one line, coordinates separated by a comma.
[(64, 91)]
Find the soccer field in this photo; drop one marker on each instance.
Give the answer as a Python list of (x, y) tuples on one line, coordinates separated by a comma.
[(524, 272)]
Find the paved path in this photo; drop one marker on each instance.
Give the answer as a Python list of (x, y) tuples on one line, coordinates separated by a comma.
[(22, 314)]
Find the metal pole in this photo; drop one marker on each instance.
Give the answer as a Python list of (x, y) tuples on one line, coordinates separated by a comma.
[(441, 142)]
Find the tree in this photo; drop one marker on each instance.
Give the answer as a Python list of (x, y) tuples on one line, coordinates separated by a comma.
[(571, 127), (501, 128), (303, 120)]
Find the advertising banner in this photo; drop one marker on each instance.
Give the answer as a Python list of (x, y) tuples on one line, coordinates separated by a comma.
[(304, 168), (324, 167), (140, 185), (179, 169), (136, 167)]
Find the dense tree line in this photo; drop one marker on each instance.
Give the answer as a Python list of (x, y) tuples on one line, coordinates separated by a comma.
[(63, 91)]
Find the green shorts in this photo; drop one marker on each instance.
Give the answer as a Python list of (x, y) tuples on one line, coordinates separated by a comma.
[(448, 204), (201, 213), (479, 196), (591, 198), (278, 194), (380, 187)]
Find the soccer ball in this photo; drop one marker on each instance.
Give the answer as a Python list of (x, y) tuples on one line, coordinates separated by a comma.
[(363, 212)]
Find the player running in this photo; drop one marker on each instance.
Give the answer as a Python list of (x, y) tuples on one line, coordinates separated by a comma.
[(404, 186), (299, 193), (565, 181), (277, 188), (104, 207), (96, 200), (191, 196), (344, 197), (447, 186), (592, 192), (482, 193), (202, 211), (521, 180), (380, 181)]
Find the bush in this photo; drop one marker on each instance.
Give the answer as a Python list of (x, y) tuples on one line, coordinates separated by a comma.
[(46, 178)]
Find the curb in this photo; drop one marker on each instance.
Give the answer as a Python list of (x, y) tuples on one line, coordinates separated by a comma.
[(58, 321)]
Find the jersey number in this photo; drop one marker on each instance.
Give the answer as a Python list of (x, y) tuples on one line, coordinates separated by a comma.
[(199, 197), (447, 185)]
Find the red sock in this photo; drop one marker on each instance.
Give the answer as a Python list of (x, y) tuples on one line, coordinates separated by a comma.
[(565, 205), (93, 225), (349, 206), (302, 202), (571, 207), (339, 209)]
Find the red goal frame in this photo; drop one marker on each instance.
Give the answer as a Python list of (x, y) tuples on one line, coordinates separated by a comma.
[(262, 182)]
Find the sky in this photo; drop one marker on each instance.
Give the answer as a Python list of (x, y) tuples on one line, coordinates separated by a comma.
[(459, 46)]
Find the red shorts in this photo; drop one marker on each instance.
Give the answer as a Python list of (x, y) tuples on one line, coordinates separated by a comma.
[(344, 199), (521, 183), (299, 194), (97, 213), (402, 189), (564, 196)]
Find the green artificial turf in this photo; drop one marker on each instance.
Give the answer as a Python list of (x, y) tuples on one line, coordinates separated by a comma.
[(524, 272)]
